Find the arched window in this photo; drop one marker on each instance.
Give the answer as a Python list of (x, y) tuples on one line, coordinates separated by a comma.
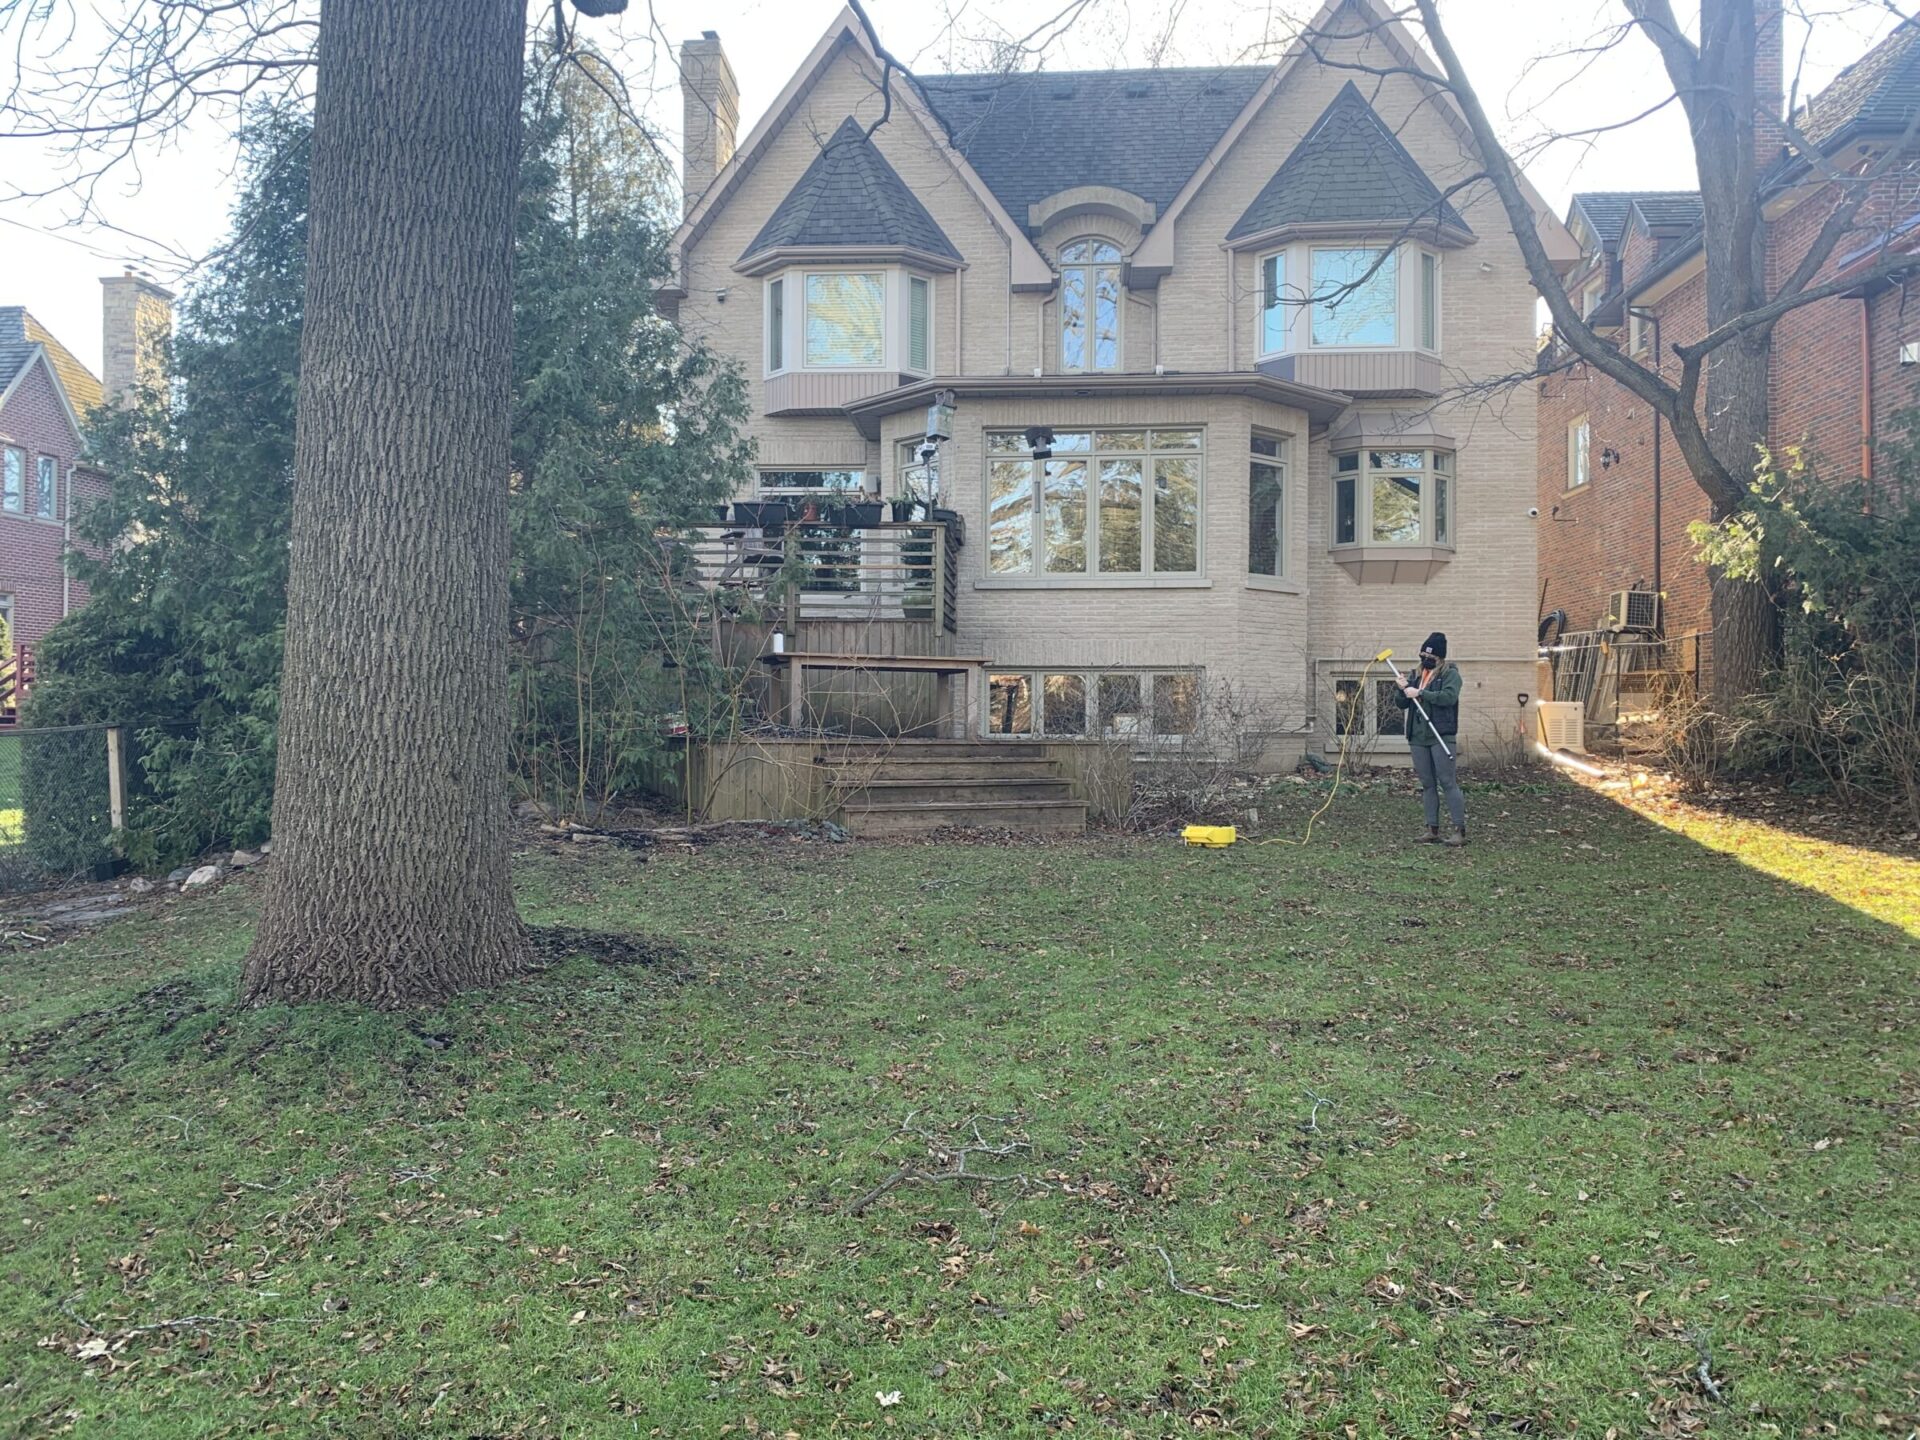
[(1090, 305)]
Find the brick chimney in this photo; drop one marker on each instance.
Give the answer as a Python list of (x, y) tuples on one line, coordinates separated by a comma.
[(1769, 83), (710, 101), (136, 317)]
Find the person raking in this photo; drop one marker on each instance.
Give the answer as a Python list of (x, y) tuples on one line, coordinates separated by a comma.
[(1438, 691)]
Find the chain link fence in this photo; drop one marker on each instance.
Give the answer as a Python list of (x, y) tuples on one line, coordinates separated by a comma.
[(62, 800)]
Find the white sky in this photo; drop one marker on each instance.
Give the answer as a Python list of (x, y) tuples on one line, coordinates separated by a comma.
[(181, 197)]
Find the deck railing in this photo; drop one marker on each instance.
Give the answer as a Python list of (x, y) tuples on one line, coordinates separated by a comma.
[(889, 571), (16, 678)]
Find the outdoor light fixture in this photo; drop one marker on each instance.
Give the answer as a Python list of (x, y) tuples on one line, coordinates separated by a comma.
[(1609, 457), (940, 418), (1040, 441)]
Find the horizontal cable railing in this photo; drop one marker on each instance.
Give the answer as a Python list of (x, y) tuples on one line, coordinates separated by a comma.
[(893, 571)]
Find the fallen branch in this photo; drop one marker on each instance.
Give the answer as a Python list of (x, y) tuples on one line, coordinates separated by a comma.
[(1312, 1127), (945, 1151), (1705, 1370), (1202, 1294)]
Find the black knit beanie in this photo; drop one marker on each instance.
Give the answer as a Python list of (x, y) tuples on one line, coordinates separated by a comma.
[(1436, 645)]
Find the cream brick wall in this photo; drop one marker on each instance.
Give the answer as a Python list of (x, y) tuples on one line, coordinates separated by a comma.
[(1282, 644)]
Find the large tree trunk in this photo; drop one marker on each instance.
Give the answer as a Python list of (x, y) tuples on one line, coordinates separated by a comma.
[(389, 879), (1723, 113)]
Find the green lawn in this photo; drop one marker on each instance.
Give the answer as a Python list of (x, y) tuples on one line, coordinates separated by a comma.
[(1596, 1096), (12, 831)]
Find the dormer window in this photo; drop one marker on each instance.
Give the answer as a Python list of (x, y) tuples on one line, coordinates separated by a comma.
[(852, 318), (1090, 305)]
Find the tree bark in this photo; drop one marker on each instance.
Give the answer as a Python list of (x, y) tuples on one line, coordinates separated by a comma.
[(1722, 107), (389, 880)]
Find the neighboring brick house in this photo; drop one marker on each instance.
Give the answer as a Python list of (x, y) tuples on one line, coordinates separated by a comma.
[(1612, 482), (45, 396), (1235, 296)]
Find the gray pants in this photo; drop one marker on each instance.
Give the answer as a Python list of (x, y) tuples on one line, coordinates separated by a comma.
[(1436, 771)]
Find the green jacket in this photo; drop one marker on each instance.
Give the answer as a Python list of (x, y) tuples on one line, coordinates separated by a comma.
[(1442, 699)]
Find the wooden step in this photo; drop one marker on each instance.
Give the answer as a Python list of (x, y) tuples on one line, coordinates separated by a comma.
[(1027, 817), (950, 792)]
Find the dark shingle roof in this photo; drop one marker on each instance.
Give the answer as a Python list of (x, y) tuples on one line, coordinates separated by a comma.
[(20, 333), (1607, 210), (1876, 95), (1034, 134), (851, 196), (1348, 167)]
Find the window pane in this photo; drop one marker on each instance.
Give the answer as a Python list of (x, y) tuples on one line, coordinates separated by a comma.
[(49, 470), (1073, 318), (1078, 250), (1347, 719), (1010, 517), (844, 319), (919, 325), (1343, 522), (1176, 439), (1176, 702), (1063, 516), (1267, 445), (777, 325), (1120, 708), (1397, 459), (1102, 251), (13, 479), (1106, 312), (1347, 463), (1430, 301), (1006, 442), (1176, 514), (1263, 519), (1388, 718), (1440, 530), (1064, 707), (1348, 310), (1443, 461), (1396, 509), (1120, 483), (1077, 441), (1010, 704), (1273, 314), (1104, 440)]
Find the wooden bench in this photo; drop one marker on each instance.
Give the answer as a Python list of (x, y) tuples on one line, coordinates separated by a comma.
[(959, 703)]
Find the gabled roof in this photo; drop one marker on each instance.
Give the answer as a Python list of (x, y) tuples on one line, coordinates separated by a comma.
[(1607, 211), (1036, 133), (1876, 95), (20, 334), (1347, 168), (851, 197)]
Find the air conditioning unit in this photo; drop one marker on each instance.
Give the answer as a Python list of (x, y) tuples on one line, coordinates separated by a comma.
[(1634, 610), (1563, 725)]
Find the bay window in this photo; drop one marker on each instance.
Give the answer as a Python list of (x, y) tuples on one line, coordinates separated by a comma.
[(1106, 502), (844, 324), (1267, 506), (1356, 297), (1393, 497), (1090, 305)]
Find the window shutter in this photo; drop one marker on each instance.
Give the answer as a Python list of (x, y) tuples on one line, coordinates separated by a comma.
[(918, 326)]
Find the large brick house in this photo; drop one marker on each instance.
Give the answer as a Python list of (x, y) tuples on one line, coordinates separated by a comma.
[(1231, 302), (45, 395), (1615, 497)]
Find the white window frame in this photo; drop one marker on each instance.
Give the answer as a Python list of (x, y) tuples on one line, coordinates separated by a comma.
[(46, 482), (1369, 736), (1429, 299), (1369, 473), (764, 491), (884, 275), (1579, 453), (1399, 299), (1592, 295), (1037, 676), (1091, 267), (1282, 299), (13, 502), (1093, 575), (774, 323), (1637, 334), (925, 284), (1282, 461)]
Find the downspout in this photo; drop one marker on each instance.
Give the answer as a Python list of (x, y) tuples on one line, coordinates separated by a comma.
[(66, 545), (1659, 549), (1232, 328), (1866, 388)]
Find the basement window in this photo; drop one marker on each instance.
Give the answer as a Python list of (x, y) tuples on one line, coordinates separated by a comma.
[(1123, 705)]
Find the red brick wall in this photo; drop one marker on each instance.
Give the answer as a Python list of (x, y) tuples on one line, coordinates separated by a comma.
[(32, 569)]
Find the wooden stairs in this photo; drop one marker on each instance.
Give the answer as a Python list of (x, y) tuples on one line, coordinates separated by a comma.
[(889, 789)]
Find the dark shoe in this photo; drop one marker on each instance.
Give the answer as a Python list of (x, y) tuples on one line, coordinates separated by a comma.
[(1455, 840), (1429, 836)]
